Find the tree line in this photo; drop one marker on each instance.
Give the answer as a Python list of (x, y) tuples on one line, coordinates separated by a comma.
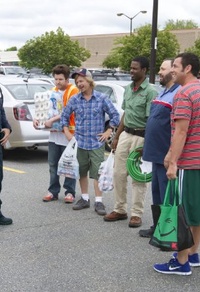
[(52, 48)]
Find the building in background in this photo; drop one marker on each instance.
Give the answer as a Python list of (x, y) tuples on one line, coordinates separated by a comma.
[(9, 58), (100, 46)]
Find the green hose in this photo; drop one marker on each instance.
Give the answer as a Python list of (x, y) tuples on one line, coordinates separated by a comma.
[(133, 167)]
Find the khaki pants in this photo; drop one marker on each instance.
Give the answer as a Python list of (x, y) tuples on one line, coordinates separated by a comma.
[(126, 144)]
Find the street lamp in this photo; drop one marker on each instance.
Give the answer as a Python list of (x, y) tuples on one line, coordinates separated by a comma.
[(131, 18)]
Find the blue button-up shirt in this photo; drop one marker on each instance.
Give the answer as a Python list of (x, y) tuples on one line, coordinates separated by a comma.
[(90, 118)]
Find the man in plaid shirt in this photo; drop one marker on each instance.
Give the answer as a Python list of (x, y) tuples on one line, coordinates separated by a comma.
[(89, 107)]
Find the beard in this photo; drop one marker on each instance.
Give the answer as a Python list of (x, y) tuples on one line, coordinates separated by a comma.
[(166, 79)]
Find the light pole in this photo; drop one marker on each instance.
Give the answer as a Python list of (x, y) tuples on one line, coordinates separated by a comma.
[(152, 66), (131, 18)]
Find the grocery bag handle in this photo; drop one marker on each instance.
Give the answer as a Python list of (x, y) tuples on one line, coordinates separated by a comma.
[(172, 196)]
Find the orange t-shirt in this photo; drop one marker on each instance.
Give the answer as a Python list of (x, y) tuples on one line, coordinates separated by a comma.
[(69, 92)]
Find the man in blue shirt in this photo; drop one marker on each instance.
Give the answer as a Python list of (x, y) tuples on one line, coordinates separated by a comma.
[(89, 107), (157, 139)]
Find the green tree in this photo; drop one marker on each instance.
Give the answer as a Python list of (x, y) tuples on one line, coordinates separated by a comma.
[(11, 49), (180, 24), (111, 61), (140, 44), (196, 48), (51, 49)]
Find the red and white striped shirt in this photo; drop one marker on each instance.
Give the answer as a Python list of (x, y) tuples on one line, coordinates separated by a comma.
[(187, 106)]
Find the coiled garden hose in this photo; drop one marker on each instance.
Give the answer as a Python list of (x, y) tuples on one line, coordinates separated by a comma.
[(133, 166)]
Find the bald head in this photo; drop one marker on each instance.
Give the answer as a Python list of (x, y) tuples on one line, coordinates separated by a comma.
[(165, 73)]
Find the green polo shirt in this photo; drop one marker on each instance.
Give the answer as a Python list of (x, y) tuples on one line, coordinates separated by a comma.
[(136, 104)]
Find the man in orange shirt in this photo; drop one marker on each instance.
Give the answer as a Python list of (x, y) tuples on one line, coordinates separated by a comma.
[(57, 139)]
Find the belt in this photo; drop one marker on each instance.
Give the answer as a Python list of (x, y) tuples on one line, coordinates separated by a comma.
[(137, 132)]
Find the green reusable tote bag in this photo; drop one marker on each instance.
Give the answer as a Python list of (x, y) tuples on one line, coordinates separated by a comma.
[(172, 231)]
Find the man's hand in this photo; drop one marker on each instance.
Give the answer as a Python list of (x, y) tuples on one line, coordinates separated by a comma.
[(172, 171), (114, 144), (104, 136), (48, 124), (5, 137), (35, 124)]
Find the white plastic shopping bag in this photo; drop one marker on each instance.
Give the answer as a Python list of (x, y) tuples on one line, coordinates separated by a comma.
[(68, 164), (105, 181)]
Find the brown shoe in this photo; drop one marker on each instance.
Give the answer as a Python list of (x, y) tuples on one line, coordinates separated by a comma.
[(50, 197), (135, 221), (114, 216)]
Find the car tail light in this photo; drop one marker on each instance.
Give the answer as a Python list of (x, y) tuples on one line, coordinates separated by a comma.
[(22, 113)]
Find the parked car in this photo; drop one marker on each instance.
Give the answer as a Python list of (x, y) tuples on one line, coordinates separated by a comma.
[(12, 70), (20, 109), (111, 76), (115, 91)]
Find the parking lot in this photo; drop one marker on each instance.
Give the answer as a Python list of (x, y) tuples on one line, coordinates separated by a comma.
[(52, 248)]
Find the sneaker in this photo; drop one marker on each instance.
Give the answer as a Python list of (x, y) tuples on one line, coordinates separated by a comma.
[(50, 197), (193, 259), (4, 220), (147, 232), (173, 267), (81, 204), (114, 216), (69, 198), (99, 208)]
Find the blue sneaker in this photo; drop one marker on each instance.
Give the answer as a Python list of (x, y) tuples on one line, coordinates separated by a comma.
[(173, 267), (193, 259)]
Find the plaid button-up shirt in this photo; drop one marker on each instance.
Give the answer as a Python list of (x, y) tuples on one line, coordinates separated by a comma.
[(90, 118)]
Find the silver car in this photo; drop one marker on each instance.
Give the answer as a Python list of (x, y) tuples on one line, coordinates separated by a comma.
[(20, 110)]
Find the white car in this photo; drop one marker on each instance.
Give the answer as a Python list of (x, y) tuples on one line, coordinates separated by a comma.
[(19, 107), (12, 70), (115, 91)]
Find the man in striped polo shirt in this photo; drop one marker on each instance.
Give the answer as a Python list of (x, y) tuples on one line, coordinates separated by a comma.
[(184, 155), (157, 140)]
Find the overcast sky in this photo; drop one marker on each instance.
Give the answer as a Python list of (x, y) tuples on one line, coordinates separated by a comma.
[(21, 20)]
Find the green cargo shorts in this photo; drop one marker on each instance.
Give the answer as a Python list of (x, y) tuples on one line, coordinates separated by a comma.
[(190, 191), (90, 160)]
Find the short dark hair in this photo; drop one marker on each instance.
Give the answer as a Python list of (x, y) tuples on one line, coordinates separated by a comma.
[(169, 59), (144, 62), (190, 59), (61, 69)]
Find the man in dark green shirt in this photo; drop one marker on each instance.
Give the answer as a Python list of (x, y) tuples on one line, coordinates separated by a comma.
[(130, 135)]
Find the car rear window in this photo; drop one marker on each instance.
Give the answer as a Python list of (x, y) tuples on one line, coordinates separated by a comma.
[(27, 91), (107, 90)]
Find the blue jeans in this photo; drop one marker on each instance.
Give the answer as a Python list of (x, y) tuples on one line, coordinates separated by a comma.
[(54, 154), (159, 183)]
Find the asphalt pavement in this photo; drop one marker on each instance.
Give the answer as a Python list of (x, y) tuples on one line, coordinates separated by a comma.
[(52, 248)]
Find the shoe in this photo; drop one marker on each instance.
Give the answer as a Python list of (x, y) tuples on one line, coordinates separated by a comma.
[(4, 220), (135, 221), (147, 232), (99, 208), (114, 216), (50, 197), (193, 259), (69, 198), (81, 204), (173, 267)]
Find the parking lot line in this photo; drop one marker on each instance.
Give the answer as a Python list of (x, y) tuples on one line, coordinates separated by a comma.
[(13, 169)]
